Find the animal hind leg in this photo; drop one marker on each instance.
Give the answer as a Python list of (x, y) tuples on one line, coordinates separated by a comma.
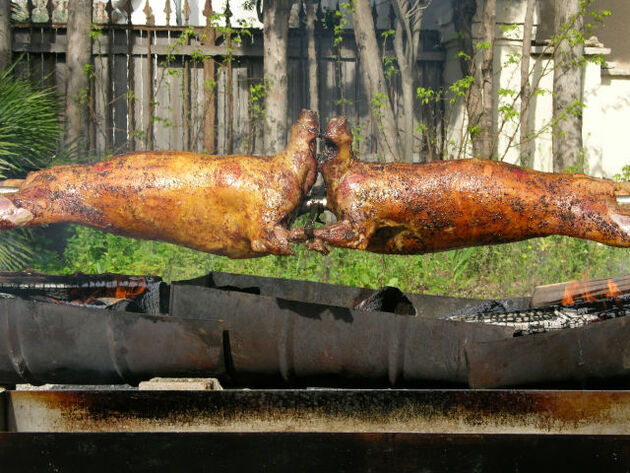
[(274, 241)]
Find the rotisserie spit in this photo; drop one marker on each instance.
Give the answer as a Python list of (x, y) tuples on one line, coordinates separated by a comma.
[(405, 208), (230, 205)]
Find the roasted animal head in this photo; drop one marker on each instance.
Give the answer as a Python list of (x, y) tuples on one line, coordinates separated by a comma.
[(338, 140), (305, 130), (301, 148)]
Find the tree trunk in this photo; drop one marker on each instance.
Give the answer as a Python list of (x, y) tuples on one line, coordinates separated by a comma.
[(275, 34), (409, 15), (313, 86), (374, 79), (567, 86), (408, 91), (487, 141), (406, 45), (5, 34), (476, 61), (78, 54), (525, 142)]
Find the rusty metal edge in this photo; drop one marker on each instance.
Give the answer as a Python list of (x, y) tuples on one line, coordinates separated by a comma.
[(325, 293), (480, 412)]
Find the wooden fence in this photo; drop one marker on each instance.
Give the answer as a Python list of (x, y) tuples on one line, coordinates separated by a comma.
[(151, 86)]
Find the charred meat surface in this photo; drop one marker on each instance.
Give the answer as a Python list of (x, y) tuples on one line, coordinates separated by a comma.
[(230, 205), (405, 208)]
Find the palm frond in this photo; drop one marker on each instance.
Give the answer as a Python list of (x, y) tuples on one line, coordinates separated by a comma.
[(29, 136), (15, 250), (29, 125)]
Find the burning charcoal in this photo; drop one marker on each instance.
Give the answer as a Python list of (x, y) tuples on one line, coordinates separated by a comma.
[(110, 291), (387, 299), (549, 318)]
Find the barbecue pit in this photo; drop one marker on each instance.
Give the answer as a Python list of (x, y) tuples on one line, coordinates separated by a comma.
[(253, 331), (330, 354)]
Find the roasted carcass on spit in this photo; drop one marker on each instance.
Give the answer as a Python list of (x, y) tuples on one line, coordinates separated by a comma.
[(231, 205), (405, 208)]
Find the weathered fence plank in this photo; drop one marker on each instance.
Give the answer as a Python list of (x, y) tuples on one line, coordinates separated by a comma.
[(151, 91)]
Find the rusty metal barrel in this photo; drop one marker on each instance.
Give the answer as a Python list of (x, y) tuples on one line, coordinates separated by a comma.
[(235, 335)]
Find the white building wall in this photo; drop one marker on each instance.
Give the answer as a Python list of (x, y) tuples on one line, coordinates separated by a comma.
[(240, 14), (606, 125), (606, 95)]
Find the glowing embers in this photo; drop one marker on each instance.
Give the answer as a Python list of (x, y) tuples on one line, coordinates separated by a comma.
[(104, 291), (118, 293)]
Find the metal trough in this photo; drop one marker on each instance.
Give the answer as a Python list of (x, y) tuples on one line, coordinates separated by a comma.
[(315, 430)]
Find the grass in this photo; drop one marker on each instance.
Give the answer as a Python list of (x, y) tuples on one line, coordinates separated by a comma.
[(491, 271)]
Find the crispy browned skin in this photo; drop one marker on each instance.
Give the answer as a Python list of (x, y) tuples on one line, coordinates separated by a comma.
[(416, 208), (229, 205)]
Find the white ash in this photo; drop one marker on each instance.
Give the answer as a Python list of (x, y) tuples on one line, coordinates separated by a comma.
[(547, 319)]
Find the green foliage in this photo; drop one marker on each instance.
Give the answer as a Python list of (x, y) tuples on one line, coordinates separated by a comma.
[(339, 22), (357, 137), (460, 87), (624, 175), (29, 130), (256, 100), (344, 101), (390, 67)]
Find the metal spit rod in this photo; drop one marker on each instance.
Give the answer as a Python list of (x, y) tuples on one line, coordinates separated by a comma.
[(8, 189), (621, 199)]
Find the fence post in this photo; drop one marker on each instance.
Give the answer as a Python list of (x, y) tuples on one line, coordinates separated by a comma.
[(148, 84), (186, 84), (109, 86), (78, 56), (5, 34), (130, 85), (229, 95), (313, 91), (167, 11), (209, 84)]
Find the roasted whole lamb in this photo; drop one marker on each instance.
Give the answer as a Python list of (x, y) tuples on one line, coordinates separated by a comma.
[(230, 205), (407, 208)]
